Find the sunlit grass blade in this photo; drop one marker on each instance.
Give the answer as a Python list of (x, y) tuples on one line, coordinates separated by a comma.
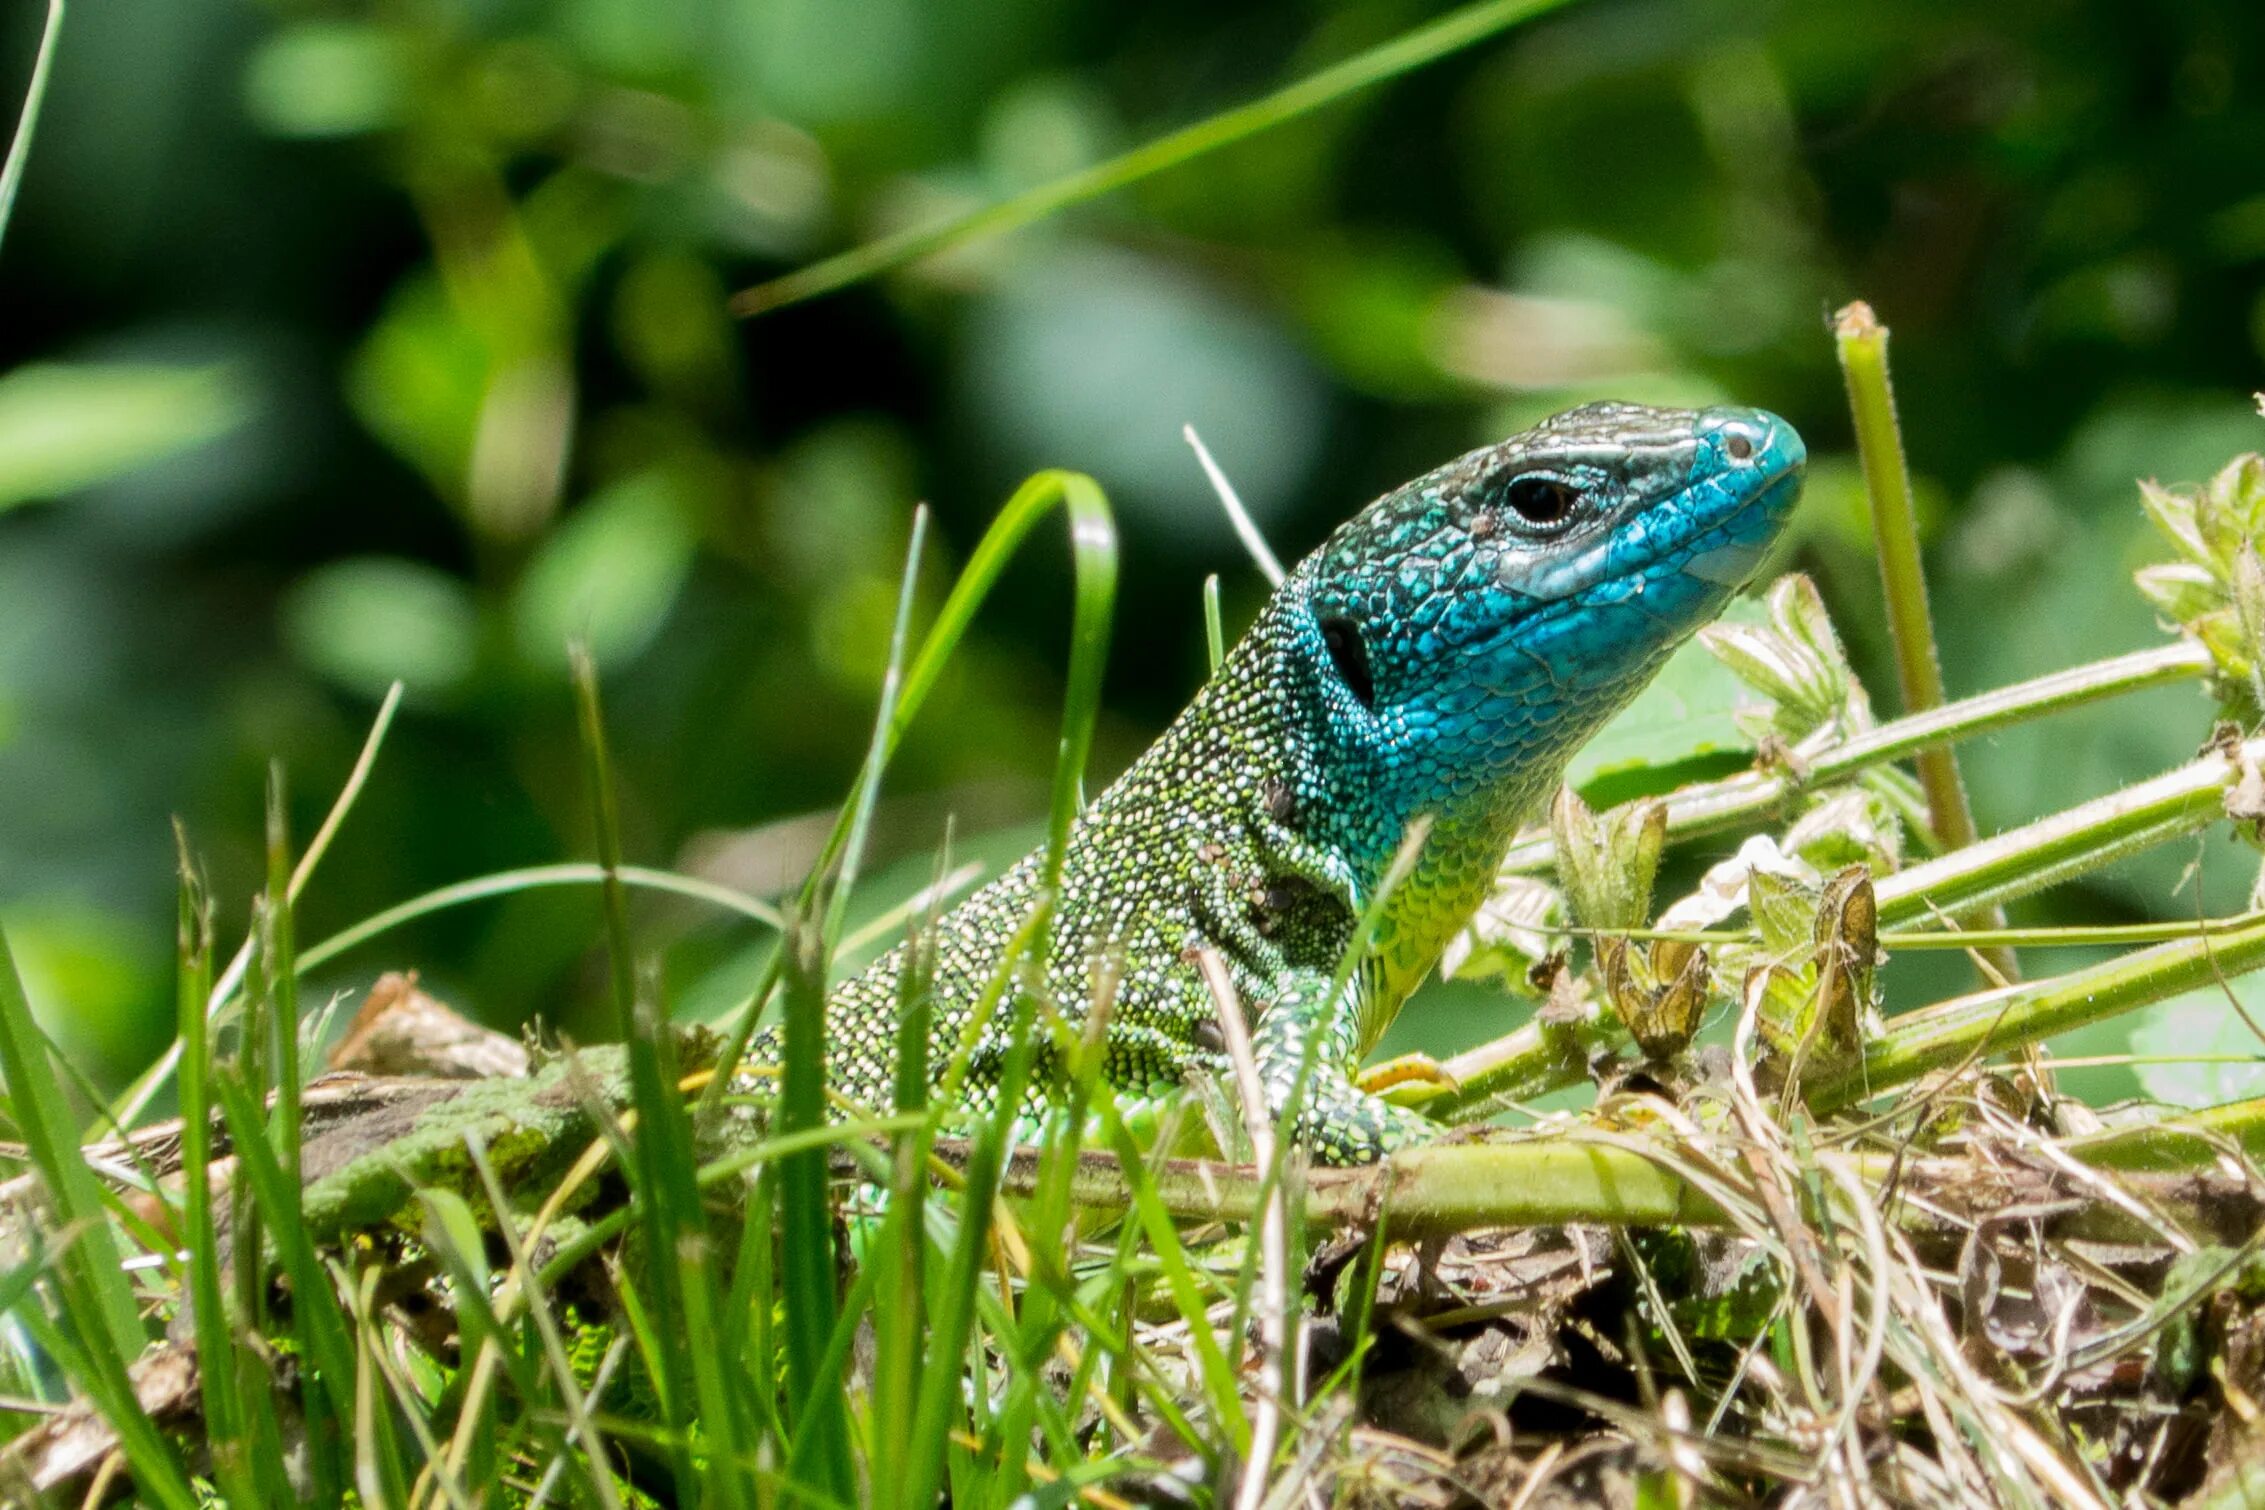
[(900, 1247), (599, 1468), (953, 1303), (51, 1141), (328, 1407), (660, 1163), (816, 1408), (1221, 1389), (1044, 1312), (225, 1412), (86, 1358), (1410, 50), (807, 1268), (318, 1322)]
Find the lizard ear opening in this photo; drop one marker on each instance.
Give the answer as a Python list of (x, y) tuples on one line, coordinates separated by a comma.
[(1349, 654)]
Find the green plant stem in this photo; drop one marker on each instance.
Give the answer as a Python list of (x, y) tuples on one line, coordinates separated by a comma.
[(1861, 341), (1410, 50), (1991, 1022), (1537, 1059), (2065, 844), (1552, 1178), (1713, 806), (660, 1152)]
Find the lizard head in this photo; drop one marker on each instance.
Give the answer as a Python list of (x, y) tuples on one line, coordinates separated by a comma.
[(1459, 638)]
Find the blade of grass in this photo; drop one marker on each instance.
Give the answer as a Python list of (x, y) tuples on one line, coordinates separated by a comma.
[(504, 883), (600, 1476), (1093, 552), (1246, 528), (328, 1408), (901, 1246), (808, 1271), (85, 1356), (51, 1140), (1214, 638), (27, 120), (217, 1385), (815, 1406), (318, 1321), (954, 1304), (1410, 50), (661, 1163), (135, 1100), (1032, 1339)]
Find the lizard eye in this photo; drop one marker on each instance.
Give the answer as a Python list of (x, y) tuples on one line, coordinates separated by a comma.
[(1541, 500), (1349, 655)]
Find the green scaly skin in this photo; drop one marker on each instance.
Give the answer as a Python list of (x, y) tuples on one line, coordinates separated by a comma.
[(1440, 657)]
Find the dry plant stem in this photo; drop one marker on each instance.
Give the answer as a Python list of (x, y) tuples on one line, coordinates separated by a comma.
[(1713, 806), (1862, 344)]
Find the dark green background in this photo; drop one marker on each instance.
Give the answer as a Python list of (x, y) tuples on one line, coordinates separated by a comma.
[(434, 292)]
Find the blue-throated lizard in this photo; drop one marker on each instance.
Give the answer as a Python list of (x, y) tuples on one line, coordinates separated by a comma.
[(1439, 658)]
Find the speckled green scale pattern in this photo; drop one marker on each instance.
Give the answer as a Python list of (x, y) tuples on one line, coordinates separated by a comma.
[(1442, 654)]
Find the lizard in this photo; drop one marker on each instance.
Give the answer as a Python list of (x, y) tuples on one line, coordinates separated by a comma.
[(1431, 667), (1437, 660)]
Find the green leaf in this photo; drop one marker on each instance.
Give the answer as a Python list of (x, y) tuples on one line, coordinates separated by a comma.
[(1683, 718), (66, 427), (607, 576), (368, 622)]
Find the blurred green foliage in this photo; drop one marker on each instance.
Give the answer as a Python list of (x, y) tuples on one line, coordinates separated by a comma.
[(351, 341)]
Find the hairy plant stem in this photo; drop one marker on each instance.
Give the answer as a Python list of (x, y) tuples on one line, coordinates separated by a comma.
[(1713, 806), (1861, 341)]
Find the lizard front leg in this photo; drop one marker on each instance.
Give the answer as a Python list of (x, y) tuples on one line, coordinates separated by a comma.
[(1334, 1118)]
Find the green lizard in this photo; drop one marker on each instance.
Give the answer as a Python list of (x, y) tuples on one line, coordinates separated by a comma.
[(1439, 658)]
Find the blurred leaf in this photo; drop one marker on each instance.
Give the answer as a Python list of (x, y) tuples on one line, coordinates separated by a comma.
[(65, 427), (418, 380), (608, 575), (2204, 1024), (1100, 357), (327, 78), (88, 972), (372, 620)]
